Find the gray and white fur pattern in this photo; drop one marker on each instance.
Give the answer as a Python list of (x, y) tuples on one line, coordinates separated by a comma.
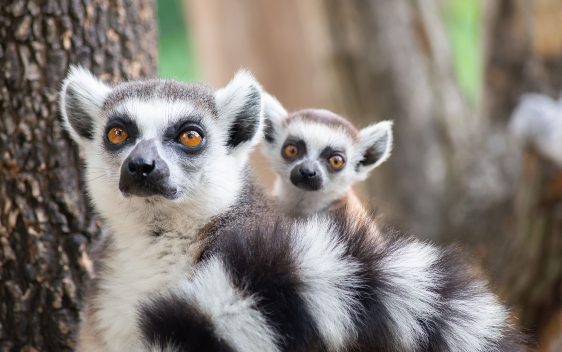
[(198, 258), (307, 183)]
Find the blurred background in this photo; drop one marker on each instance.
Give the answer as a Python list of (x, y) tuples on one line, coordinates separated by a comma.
[(450, 73)]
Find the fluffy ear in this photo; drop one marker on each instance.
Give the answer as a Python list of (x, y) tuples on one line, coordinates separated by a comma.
[(81, 99), (273, 113), (375, 145), (239, 106)]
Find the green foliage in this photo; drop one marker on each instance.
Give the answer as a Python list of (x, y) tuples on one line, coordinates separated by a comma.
[(176, 58), (464, 25)]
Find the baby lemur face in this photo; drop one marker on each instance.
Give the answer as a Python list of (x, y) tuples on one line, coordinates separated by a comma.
[(317, 150), (161, 140)]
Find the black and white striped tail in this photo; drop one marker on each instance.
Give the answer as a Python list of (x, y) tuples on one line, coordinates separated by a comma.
[(324, 285)]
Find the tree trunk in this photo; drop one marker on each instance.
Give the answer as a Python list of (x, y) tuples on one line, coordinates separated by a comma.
[(525, 55), (456, 174), (45, 221)]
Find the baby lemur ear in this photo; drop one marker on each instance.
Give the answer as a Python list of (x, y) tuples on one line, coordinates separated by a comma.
[(375, 144), (81, 100), (273, 113), (239, 105)]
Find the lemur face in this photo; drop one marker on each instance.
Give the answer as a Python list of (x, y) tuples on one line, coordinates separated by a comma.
[(161, 139), (317, 150)]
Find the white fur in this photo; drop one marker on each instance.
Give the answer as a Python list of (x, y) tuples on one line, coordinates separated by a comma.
[(273, 111), (412, 283), (369, 136), (330, 280), (478, 317), (231, 99), (92, 93), (236, 317), (317, 136), (484, 321), (207, 186)]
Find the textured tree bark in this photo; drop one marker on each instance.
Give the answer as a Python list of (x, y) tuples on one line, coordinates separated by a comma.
[(455, 173), (45, 222)]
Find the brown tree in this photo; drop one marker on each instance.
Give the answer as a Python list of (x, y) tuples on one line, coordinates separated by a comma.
[(45, 222), (456, 174)]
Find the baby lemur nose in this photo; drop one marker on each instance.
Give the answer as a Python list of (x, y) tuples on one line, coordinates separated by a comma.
[(307, 172), (140, 168)]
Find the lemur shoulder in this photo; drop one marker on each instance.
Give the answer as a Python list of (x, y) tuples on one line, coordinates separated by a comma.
[(198, 258), (318, 156)]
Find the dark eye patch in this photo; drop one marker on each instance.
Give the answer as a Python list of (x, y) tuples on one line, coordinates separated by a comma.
[(126, 123), (191, 123), (328, 152), (301, 145)]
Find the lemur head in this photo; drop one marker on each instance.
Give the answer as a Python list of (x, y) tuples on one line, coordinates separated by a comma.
[(317, 150), (182, 145)]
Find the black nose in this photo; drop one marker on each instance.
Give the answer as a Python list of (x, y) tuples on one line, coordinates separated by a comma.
[(306, 172), (140, 168)]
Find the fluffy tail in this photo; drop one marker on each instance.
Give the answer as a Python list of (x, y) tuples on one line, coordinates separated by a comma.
[(325, 285)]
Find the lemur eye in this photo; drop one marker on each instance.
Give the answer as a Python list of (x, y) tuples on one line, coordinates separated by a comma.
[(291, 150), (117, 135), (336, 161), (190, 138)]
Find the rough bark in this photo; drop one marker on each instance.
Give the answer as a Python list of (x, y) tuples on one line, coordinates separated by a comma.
[(455, 173), (45, 222)]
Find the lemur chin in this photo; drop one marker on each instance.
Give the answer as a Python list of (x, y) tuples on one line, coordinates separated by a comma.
[(198, 258), (318, 155)]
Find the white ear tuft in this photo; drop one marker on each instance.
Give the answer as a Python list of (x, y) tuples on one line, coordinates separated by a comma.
[(81, 100), (375, 144), (239, 105), (274, 113)]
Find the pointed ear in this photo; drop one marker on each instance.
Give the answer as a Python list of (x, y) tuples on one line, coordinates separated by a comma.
[(81, 100), (239, 106), (375, 144), (273, 113)]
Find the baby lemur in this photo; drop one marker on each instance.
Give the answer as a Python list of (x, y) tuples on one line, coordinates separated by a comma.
[(318, 155), (198, 258)]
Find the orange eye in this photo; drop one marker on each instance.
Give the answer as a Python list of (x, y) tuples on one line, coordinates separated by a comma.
[(291, 150), (336, 161), (190, 138), (117, 135)]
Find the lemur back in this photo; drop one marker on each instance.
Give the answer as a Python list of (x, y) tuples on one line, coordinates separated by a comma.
[(318, 155), (198, 258)]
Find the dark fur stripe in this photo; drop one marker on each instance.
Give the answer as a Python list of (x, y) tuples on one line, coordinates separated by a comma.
[(245, 123), (78, 117), (172, 321), (261, 263), (375, 324)]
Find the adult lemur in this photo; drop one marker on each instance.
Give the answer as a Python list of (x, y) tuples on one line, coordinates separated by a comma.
[(318, 155), (198, 259)]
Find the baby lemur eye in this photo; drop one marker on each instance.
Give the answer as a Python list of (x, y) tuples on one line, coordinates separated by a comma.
[(117, 135), (291, 150), (190, 138), (336, 161)]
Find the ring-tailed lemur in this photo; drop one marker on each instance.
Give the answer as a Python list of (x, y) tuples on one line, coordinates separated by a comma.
[(318, 155), (197, 258)]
